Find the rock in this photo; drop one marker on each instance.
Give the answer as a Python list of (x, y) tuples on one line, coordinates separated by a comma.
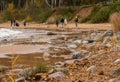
[(108, 33), (52, 71), (46, 55), (59, 64), (57, 76), (21, 79), (90, 47), (100, 52), (112, 80), (85, 42), (114, 49), (92, 68), (54, 56), (77, 55), (93, 34), (117, 35), (115, 73), (90, 41), (72, 46), (4, 40), (77, 42), (69, 61), (117, 61), (65, 71), (51, 33), (66, 56), (92, 57), (109, 45), (16, 71), (106, 40)]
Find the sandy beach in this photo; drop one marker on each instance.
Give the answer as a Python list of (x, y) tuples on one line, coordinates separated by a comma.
[(85, 26)]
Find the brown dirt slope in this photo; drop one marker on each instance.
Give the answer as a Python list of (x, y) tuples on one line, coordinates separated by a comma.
[(84, 12)]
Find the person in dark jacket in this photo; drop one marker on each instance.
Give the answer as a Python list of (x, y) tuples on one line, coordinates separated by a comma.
[(24, 22), (57, 23), (62, 22), (14, 22)]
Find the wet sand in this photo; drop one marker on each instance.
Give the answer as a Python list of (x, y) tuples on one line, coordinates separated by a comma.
[(21, 49)]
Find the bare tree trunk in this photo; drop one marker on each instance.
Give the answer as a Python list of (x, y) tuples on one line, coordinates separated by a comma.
[(52, 3), (59, 3), (55, 3), (48, 3), (19, 3)]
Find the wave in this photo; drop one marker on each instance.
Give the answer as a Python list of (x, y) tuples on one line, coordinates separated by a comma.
[(8, 32)]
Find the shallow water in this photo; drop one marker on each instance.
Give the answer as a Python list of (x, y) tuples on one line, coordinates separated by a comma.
[(30, 44)]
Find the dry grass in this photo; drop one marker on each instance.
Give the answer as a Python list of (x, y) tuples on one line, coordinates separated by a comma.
[(115, 20)]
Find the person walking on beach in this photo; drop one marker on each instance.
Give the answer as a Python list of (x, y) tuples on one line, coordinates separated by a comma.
[(76, 21), (14, 22), (24, 22), (57, 23), (65, 21), (62, 22), (11, 21)]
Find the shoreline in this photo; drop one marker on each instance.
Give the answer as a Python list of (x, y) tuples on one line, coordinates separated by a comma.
[(69, 26)]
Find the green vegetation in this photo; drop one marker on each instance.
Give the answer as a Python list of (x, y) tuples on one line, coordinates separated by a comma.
[(38, 11), (41, 67), (100, 14)]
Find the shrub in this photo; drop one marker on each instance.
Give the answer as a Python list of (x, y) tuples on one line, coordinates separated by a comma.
[(115, 20), (66, 12), (94, 11), (41, 67), (40, 16), (101, 16)]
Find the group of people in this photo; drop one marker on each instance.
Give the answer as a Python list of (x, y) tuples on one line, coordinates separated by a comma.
[(64, 22), (15, 23)]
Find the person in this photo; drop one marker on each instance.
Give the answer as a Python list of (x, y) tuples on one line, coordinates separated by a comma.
[(14, 22), (24, 22), (65, 21), (11, 21), (76, 21), (17, 24), (57, 23), (62, 22)]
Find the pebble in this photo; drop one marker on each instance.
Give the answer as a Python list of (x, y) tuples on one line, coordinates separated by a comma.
[(92, 68), (57, 76), (72, 46), (117, 61)]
